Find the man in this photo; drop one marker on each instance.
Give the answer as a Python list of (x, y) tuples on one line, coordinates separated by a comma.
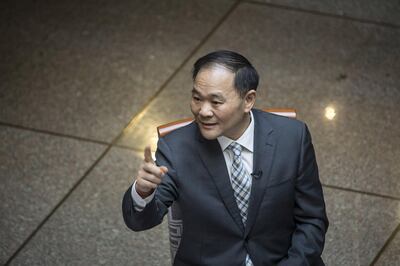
[(246, 181)]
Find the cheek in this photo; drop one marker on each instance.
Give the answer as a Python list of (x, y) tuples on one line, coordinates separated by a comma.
[(224, 114), (229, 118), (222, 117), (193, 108)]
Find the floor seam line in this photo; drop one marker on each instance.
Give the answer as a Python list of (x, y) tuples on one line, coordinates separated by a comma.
[(362, 192), (140, 113), (55, 208), (127, 148), (326, 14), (53, 133), (387, 243), (113, 143)]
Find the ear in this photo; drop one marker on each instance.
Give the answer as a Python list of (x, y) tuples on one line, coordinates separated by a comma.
[(249, 100)]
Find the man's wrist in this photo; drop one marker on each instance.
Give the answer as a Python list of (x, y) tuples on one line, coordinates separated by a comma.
[(140, 201), (143, 194)]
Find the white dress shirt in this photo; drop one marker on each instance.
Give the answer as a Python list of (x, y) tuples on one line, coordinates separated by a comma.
[(246, 140)]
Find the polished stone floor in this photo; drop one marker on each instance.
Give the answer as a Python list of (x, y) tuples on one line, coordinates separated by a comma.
[(83, 84)]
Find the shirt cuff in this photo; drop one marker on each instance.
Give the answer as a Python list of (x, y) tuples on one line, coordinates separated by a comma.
[(140, 203)]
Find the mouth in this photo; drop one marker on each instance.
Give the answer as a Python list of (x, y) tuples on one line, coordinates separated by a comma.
[(207, 125)]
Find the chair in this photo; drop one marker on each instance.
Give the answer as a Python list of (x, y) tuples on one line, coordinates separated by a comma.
[(175, 224)]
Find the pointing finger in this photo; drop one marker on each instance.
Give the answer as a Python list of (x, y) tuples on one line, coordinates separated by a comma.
[(147, 155)]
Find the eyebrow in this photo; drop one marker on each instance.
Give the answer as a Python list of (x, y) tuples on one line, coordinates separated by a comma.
[(212, 95)]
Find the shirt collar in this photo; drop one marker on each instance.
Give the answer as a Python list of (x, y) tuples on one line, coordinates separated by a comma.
[(246, 140)]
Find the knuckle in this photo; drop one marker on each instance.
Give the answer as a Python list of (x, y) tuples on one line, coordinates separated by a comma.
[(159, 171), (150, 178), (140, 173), (145, 167)]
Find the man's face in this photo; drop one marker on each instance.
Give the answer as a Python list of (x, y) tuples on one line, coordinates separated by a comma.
[(217, 106)]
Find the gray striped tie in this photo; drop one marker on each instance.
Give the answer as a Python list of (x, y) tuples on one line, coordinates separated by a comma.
[(241, 184)]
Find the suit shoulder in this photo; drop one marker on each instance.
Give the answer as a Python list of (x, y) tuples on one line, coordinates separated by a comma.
[(187, 132), (280, 121)]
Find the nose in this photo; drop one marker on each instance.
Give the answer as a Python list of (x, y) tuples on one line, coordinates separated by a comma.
[(206, 110)]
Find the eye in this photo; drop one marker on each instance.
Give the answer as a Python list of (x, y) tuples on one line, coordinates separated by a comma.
[(216, 102), (196, 98)]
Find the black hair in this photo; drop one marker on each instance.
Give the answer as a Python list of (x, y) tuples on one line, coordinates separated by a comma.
[(246, 76)]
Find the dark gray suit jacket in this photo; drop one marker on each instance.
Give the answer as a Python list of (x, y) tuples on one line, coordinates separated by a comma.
[(286, 220)]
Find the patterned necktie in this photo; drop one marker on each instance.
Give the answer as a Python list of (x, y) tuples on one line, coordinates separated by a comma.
[(241, 184), (241, 180)]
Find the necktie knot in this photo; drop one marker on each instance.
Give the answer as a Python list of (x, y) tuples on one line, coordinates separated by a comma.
[(236, 148)]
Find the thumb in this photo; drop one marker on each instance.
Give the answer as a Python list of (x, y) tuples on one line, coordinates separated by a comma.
[(147, 155), (164, 169)]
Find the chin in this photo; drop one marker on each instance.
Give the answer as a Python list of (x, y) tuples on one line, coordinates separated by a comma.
[(209, 135)]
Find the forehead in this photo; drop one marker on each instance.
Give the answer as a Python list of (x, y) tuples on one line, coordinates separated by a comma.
[(215, 79)]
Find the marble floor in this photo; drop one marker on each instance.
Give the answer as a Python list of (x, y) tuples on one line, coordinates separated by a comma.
[(83, 84)]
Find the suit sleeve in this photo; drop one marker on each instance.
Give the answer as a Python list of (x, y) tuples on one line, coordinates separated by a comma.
[(165, 194), (309, 213)]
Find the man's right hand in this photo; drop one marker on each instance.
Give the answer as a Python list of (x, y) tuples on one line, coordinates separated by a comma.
[(149, 175)]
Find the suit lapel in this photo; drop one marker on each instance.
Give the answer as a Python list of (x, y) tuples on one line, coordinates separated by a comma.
[(214, 162), (264, 147)]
